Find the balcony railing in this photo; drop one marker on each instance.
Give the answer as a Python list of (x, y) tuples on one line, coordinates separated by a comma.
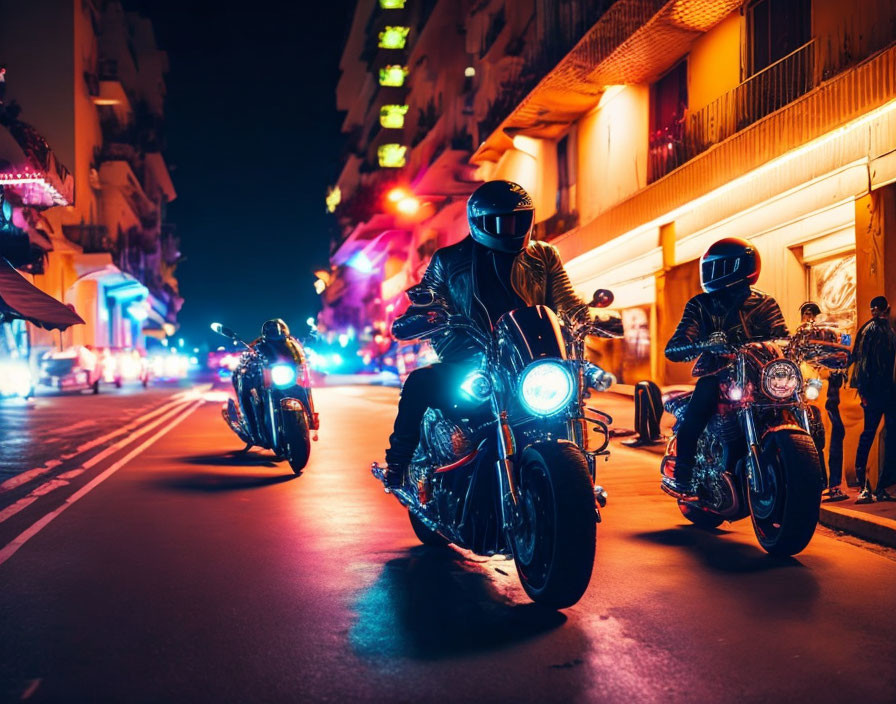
[(760, 95)]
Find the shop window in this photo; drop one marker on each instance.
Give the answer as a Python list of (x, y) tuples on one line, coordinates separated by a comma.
[(776, 28), (393, 37), (393, 75), (668, 103), (832, 284)]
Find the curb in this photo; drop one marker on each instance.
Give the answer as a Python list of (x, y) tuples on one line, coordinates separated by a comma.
[(863, 525)]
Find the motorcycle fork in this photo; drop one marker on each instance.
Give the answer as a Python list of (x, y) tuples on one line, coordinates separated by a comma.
[(506, 482), (754, 473)]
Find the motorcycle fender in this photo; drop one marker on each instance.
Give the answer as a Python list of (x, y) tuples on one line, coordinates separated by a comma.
[(783, 426)]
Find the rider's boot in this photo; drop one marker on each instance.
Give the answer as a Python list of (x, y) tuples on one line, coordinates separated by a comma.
[(393, 475), (681, 485)]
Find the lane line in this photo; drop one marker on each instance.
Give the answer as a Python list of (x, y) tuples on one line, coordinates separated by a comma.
[(29, 475), (57, 482), (10, 549)]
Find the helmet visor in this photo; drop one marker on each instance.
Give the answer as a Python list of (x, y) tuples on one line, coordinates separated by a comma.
[(506, 226)]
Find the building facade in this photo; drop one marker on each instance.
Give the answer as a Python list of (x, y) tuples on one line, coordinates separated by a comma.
[(647, 129), (88, 79)]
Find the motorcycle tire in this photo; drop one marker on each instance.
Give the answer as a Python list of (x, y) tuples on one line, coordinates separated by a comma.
[(786, 513), (554, 546), (426, 536), (298, 441), (700, 518)]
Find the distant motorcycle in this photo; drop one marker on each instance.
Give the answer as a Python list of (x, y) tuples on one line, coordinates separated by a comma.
[(273, 407), (756, 456), (510, 468)]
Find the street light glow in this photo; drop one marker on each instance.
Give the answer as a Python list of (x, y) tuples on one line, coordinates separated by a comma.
[(408, 206)]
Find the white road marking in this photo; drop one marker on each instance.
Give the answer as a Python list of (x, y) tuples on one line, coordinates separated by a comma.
[(28, 475), (9, 550), (55, 483)]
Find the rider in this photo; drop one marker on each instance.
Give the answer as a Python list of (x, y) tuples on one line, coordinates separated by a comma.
[(275, 343), (728, 312), (494, 270)]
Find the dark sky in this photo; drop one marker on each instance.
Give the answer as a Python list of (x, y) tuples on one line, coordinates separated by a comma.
[(253, 139)]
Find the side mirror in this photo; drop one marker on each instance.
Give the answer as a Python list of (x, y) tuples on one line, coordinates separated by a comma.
[(222, 330), (602, 298)]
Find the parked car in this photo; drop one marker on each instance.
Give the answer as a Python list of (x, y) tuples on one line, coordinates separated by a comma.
[(73, 369)]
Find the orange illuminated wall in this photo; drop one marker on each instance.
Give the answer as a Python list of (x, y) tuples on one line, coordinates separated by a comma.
[(714, 63)]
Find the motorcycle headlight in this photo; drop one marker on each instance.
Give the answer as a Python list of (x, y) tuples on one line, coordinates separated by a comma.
[(781, 379), (813, 389), (283, 375), (546, 387), (476, 387)]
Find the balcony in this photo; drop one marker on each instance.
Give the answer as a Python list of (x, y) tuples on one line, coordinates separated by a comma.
[(762, 94)]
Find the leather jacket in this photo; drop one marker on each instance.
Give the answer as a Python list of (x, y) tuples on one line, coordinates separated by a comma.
[(750, 315), (537, 277)]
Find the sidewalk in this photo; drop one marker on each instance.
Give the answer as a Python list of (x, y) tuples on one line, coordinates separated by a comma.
[(875, 522)]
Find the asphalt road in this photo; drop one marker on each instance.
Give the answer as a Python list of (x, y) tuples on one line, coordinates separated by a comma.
[(182, 572)]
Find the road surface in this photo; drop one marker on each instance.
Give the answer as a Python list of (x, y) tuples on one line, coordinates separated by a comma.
[(173, 570)]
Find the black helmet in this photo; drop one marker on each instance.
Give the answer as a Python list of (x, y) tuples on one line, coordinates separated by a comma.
[(274, 329), (501, 214), (731, 261), (810, 307)]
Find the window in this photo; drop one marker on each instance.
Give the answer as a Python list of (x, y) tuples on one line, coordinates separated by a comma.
[(776, 28), (393, 75), (393, 37), (391, 155), (392, 116), (832, 284), (668, 103), (566, 177)]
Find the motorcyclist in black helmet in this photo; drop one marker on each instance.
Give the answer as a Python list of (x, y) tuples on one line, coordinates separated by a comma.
[(275, 343), (494, 270), (728, 312)]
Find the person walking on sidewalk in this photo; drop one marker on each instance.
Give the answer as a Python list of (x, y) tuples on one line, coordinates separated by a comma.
[(874, 376)]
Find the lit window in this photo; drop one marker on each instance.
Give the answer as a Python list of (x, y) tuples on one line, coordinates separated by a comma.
[(391, 155), (392, 4), (334, 197), (393, 75), (394, 37), (392, 116)]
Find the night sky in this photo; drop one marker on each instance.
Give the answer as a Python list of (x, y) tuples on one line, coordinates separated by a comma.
[(253, 141)]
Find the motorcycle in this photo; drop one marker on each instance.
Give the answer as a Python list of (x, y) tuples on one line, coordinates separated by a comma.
[(757, 456), (277, 395), (510, 468)]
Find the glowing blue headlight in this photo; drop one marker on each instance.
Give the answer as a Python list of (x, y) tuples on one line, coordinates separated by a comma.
[(283, 374), (546, 387), (476, 387)]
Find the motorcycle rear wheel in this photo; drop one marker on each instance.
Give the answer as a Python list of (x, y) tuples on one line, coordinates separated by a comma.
[(700, 518), (426, 536), (785, 514), (297, 440), (554, 547)]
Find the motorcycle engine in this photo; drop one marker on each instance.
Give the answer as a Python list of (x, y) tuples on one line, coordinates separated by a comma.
[(446, 440)]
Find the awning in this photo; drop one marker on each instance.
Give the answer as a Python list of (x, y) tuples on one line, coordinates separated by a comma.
[(21, 299), (30, 168)]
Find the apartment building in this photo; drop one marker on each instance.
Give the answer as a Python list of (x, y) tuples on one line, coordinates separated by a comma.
[(85, 80)]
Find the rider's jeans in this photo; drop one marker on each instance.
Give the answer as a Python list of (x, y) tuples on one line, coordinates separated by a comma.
[(427, 387), (703, 404), (881, 404), (838, 431)]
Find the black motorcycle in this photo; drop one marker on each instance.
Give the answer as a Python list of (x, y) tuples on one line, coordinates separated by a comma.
[(510, 468), (757, 456), (273, 407)]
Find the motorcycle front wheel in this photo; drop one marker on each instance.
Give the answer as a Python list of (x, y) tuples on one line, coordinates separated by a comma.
[(296, 440), (426, 536), (785, 511), (554, 543)]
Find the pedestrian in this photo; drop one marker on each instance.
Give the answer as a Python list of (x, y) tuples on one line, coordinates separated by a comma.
[(874, 376), (809, 313)]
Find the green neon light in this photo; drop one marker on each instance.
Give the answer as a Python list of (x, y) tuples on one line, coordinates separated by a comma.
[(392, 4), (394, 37)]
